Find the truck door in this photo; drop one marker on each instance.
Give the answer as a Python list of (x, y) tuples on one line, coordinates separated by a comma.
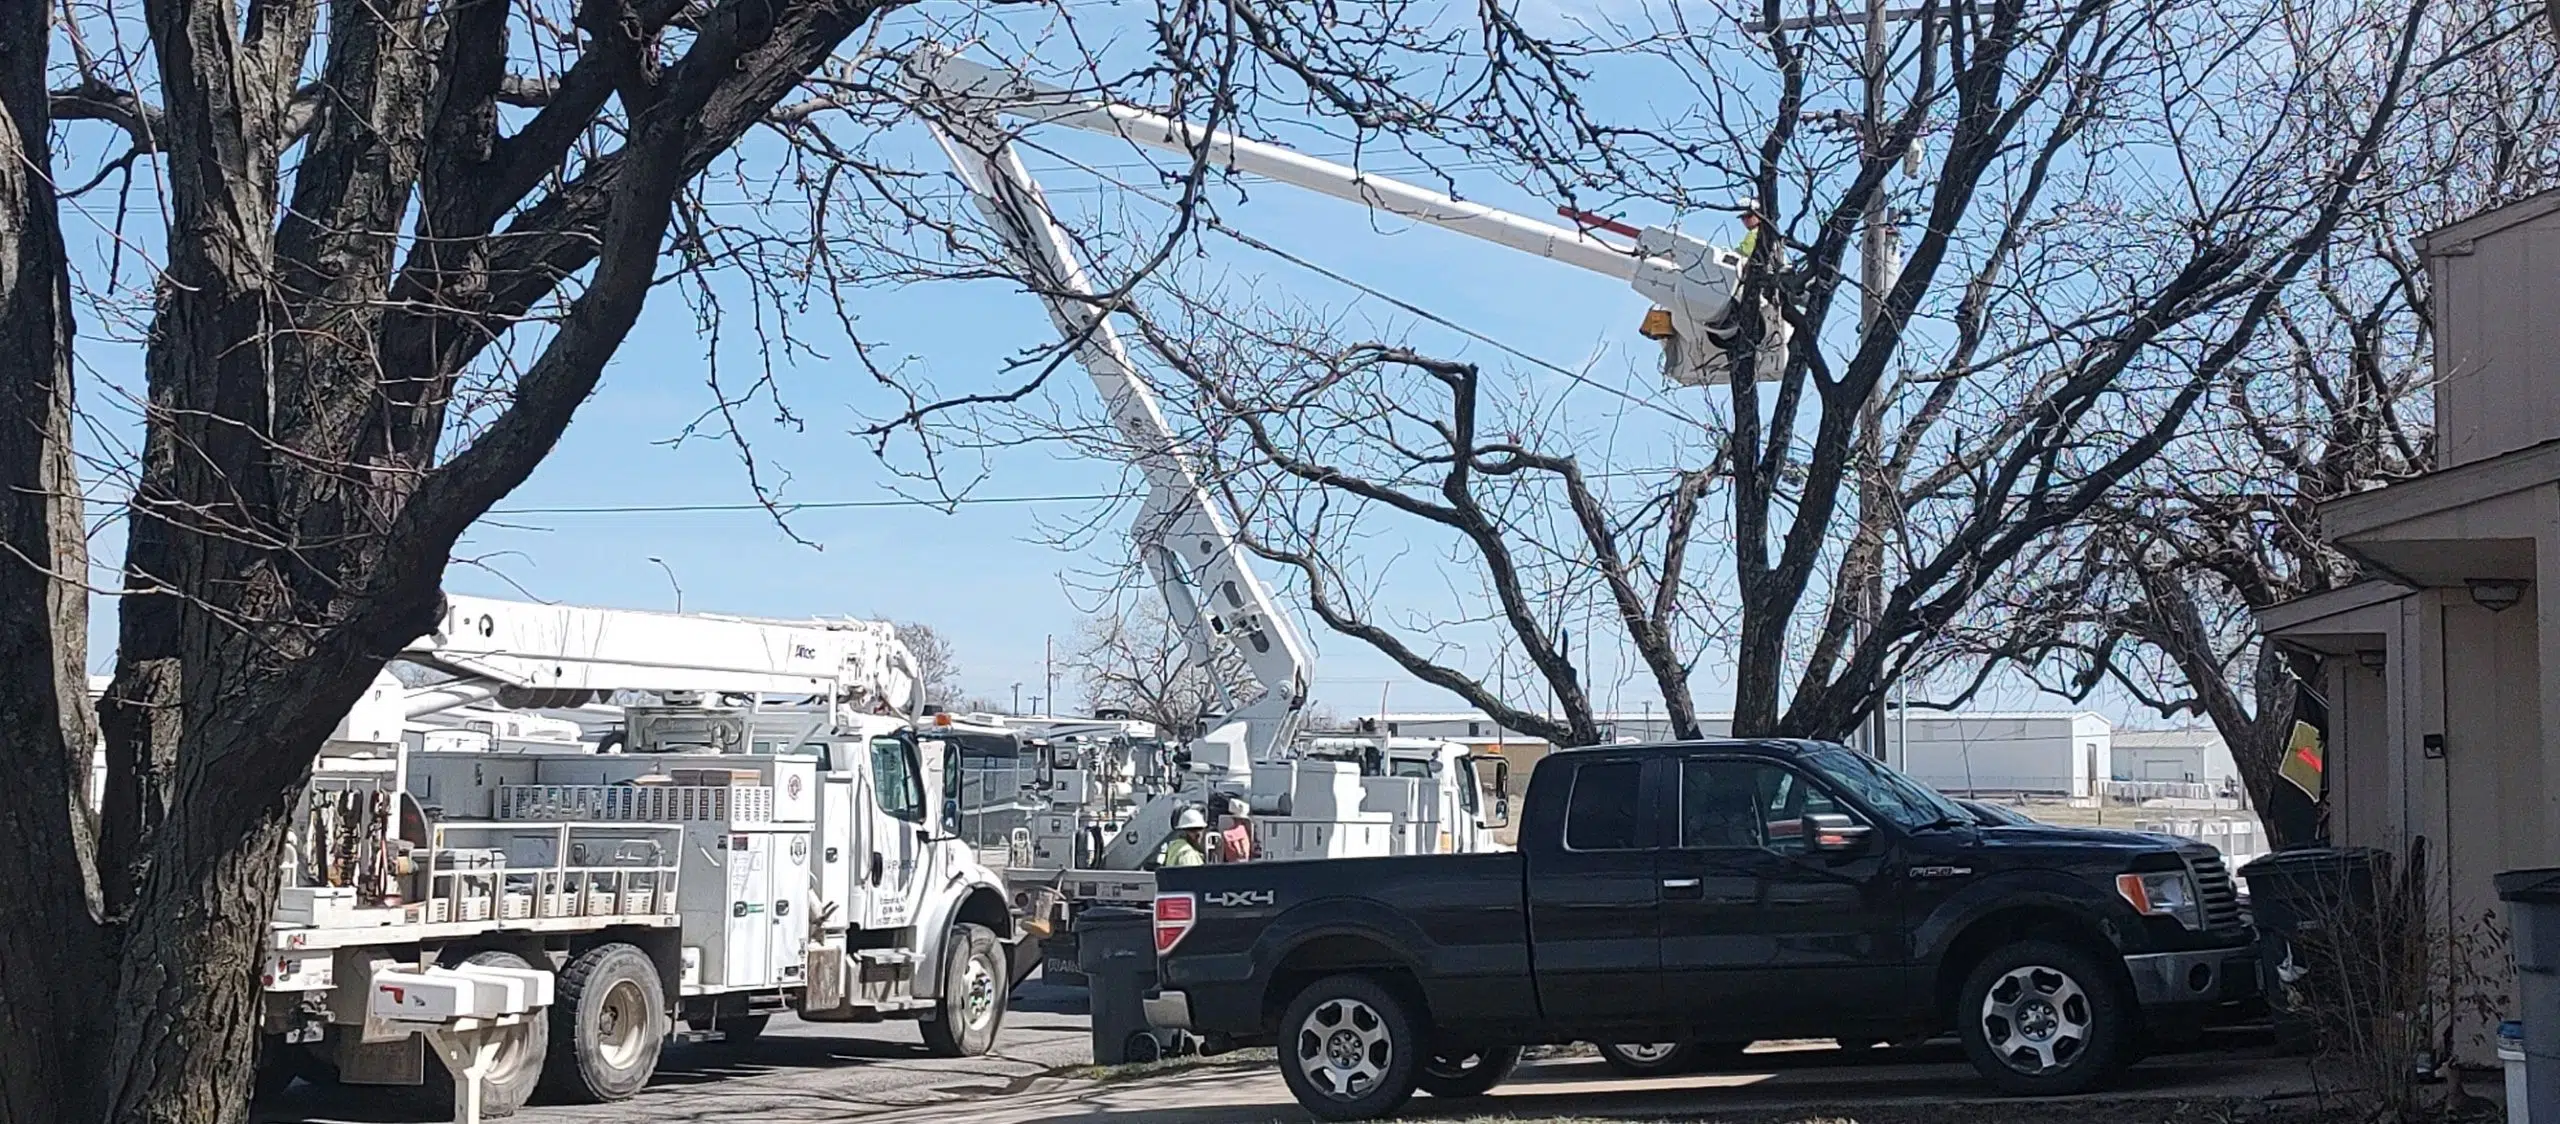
[(1595, 901), (895, 842), (1762, 936)]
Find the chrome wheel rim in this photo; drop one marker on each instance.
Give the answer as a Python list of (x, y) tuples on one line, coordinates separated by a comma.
[(978, 992), (622, 1025), (1344, 1049), (1647, 1053), (515, 1056), (2037, 1019)]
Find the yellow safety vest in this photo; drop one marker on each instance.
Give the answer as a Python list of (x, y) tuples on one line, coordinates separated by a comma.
[(1178, 851)]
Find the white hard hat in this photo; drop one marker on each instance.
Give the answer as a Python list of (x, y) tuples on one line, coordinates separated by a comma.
[(1190, 818)]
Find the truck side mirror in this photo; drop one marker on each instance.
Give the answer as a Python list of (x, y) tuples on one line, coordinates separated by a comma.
[(1831, 834), (1497, 813)]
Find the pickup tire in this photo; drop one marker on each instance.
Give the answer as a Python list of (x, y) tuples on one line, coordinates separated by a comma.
[(2045, 1019), (973, 994), (1457, 1074), (1663, 1059), (608, 1022), (1350, 1050)]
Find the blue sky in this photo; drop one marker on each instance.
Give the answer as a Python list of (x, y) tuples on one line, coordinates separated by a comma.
[(986, 574)]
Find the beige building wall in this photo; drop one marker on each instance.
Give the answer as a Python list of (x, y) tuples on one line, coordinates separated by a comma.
[(2445, 712), (2496, 281)]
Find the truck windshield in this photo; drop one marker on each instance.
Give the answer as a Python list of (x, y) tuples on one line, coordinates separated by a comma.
[(1904, 801)]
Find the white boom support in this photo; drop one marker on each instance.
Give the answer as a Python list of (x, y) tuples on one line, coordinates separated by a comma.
[(1197, 562), (1694, 280), (858, 666)]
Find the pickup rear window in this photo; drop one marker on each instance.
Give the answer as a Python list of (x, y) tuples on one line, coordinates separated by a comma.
[(1601, 815)]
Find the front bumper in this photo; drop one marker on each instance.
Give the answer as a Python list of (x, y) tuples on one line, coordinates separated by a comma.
[(1168, 1009), (2206, 976)]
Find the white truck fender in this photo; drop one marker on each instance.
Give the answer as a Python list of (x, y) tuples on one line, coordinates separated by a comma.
[(933, 928)]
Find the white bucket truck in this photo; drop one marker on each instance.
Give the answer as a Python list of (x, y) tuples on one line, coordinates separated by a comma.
[(752, 827)]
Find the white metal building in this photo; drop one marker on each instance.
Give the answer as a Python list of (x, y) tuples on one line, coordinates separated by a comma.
[(2193, 754), (2046, 753)]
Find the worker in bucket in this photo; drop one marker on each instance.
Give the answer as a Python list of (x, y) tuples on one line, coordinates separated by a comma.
[(1190, 843), (1752, 222), (1236, 844)]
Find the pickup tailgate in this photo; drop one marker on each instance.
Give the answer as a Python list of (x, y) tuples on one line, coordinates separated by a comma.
[(1454, 922)]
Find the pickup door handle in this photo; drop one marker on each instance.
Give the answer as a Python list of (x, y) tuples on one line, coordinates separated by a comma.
[(1682, 888)]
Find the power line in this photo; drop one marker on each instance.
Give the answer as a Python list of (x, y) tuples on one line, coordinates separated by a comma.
[(1248, 240), (789, 508)]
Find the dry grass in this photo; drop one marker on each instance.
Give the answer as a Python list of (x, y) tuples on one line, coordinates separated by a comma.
[(2072, 1112)]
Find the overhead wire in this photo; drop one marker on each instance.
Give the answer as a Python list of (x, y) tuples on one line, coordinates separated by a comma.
[(789, 507), (1250, 241)]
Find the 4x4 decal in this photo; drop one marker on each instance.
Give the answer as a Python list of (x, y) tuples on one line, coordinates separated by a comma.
[(1235, 899)]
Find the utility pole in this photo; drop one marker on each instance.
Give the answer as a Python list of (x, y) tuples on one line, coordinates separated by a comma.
[(1879, 263), (1017, 700), (1049, 672)]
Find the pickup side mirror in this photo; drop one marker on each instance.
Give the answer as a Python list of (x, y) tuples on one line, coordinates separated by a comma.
[(1831, 834), (1496, 812)]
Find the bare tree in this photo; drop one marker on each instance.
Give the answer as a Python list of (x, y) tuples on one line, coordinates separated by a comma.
[(937, 668), (383, 263), (1134, 661), (2154, 596), (2115, 202)]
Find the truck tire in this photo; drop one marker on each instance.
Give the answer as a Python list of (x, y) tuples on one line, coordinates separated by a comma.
[(1662, 1059), (973, 994), (608, 1022), (1349, 1049), (1456, 1074), (275, 1068), (518, 1070), (2044, 1019), (1648, 1059)]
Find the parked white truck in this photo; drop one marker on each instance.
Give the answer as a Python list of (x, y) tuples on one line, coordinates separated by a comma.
[(755, 827)]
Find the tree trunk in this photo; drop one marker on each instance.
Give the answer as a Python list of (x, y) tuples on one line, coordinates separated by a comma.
[(186, 1019), (50, 963)]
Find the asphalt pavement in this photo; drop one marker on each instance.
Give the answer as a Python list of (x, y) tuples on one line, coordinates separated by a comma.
[(1773, 1077), (796, 1072)]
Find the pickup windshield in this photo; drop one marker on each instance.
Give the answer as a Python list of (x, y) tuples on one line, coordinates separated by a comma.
[(1907, 802)]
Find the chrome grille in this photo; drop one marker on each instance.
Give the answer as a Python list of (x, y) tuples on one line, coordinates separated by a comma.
[(2214, 888)]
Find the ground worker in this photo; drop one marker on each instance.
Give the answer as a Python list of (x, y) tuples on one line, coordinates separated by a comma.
[(1190, 843), (1236, 843)]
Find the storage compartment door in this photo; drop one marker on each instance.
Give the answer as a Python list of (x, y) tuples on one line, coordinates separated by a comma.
[(791, 893), (750, 943), (840, 857)]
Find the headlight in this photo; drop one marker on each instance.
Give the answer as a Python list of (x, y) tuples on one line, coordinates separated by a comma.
[(2167, 893)]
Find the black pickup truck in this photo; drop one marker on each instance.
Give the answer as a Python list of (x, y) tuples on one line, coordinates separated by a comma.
[(1702, 896)]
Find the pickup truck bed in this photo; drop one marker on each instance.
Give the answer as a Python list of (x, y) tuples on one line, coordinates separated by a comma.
[(1698, 897)]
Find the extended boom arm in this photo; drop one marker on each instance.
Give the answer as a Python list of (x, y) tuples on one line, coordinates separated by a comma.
[(1690, 278), (1199, 567)]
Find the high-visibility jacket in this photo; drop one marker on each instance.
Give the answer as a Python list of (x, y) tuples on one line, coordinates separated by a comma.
[(1180, 851)]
